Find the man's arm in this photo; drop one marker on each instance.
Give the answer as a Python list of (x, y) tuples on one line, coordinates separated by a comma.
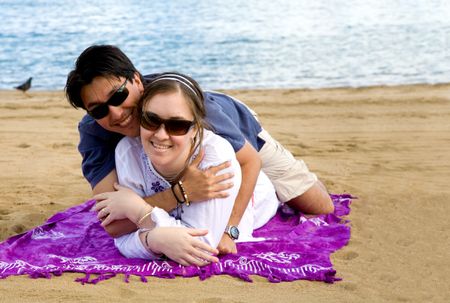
[(250, 163)]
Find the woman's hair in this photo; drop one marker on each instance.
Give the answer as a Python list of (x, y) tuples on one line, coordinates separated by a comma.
[(172, 82), (97, 61)]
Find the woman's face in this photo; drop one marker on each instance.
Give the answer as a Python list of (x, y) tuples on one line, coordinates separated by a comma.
[(168, 153)]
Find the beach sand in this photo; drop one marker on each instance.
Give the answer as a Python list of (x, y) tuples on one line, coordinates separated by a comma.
[(389, 146)]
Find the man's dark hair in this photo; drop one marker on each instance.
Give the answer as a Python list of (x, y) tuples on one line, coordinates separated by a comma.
[(95, 61)]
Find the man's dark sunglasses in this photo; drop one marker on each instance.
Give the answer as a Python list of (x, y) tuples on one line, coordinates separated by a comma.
[(101, 111), (173, 127)]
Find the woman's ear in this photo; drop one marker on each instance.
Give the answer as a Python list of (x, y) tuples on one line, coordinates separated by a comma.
[(195, 133)]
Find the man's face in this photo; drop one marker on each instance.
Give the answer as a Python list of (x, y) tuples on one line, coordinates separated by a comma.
[(122, 119)]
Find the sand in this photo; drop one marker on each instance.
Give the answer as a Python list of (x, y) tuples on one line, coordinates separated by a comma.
[(387, 145)]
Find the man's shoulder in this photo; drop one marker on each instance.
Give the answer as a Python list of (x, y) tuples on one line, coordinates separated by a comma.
[(86, 121), (88, 125), (213, 96), (218, 104), (95, 137), (150, 77), (229, 105)]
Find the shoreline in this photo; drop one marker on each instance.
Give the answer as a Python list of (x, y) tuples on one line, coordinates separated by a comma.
[(325, 88), (256, 88), (387, 145)]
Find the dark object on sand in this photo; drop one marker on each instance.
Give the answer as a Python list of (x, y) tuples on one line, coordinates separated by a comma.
[(25, 86)]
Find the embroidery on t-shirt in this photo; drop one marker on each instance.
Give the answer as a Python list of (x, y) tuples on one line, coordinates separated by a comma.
[(154, 183), (157, 187)]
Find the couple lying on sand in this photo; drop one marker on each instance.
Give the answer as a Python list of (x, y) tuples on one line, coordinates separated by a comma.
[(175, 170)]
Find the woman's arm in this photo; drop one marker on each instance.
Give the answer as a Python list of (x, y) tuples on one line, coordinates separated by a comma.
[(199, 184), (179, 244)]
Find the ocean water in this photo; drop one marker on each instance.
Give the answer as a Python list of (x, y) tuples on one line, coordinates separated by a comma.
[(233, 44)]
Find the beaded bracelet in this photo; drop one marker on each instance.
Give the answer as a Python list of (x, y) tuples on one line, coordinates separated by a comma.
[(179, 201), (183, 193)]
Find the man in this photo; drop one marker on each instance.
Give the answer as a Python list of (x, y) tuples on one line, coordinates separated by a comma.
[(107, 85)]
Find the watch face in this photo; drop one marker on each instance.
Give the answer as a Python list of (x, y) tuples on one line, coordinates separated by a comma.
[(234, 232)]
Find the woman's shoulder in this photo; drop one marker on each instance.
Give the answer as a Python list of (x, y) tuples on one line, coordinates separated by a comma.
[(210, 139), (216, 149), (128, 145)]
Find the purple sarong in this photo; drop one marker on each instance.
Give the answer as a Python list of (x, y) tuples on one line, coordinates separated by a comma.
[(73, 241)]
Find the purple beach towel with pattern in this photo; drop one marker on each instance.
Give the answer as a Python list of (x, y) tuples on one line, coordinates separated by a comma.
[(73, 241)]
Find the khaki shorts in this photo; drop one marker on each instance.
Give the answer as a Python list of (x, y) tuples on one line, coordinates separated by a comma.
[(290, 177)]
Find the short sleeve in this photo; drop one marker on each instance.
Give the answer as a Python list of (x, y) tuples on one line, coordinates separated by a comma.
[(222, 125), (96, 147), (129, 166), (232, 120), (216, 151)]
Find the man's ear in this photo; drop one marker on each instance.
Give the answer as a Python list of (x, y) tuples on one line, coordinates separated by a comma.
[(137, 78)]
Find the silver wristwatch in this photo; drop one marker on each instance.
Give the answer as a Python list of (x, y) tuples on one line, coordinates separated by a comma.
[(232, 231)]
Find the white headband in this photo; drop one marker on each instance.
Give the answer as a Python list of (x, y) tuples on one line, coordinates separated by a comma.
[(176, 77)]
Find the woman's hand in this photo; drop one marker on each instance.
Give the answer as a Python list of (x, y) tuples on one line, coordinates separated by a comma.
[(206, 184), (121, 204), (180, 245)]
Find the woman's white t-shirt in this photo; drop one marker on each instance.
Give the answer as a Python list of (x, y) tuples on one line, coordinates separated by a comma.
[(135, 171)]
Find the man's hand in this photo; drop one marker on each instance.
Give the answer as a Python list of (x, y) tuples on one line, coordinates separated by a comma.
[(204, 185), (180, 245), (227, 245)]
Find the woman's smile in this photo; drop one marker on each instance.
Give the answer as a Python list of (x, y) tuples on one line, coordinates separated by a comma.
[(159, 146)]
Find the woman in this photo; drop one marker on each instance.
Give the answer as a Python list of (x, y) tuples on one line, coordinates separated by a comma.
[(172, 130)]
